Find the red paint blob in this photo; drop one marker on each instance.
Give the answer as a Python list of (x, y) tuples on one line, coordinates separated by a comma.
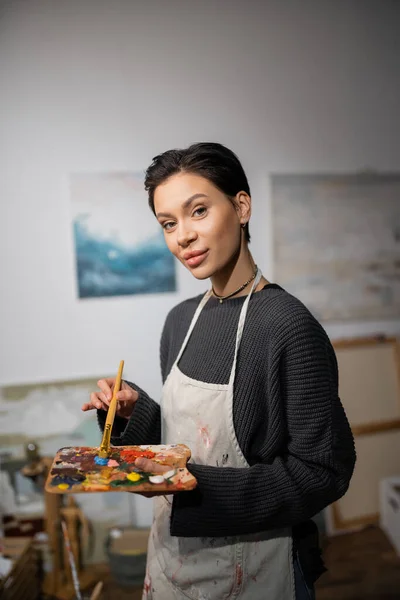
[(132, 455), (239, 575)]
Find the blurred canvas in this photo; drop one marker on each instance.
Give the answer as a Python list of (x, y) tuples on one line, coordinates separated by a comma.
[(337, 243)]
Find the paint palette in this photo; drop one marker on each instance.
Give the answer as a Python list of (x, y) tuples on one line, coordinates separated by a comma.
[(79, 469)]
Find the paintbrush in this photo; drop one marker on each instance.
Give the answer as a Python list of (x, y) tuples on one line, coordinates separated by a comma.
[(104, 450), (71, 559), (97, 591)]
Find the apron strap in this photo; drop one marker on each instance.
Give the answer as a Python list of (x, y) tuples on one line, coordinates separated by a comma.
[(240, 328), (242, 319), (192, 324)]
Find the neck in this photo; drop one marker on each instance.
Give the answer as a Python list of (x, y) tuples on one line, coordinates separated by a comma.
[(234, 274)]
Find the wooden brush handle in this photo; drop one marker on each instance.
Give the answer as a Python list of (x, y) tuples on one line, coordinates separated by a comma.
[(113, 404), (105, 443)]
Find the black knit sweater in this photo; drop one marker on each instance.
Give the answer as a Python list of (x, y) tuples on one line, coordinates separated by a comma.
[(288, 419)]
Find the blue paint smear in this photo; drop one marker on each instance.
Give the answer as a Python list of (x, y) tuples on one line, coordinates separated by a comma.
[(69, 479), (107, 268), (101, 461)]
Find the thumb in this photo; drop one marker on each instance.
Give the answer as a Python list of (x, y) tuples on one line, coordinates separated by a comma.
[(145, 464)]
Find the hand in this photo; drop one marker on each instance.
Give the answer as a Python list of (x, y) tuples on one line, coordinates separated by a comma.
[(149, 466), (126, 398)]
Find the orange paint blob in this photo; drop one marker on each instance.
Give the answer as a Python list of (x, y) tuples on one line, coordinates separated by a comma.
[(132, 455)]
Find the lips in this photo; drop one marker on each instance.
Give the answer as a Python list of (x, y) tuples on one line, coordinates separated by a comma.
[(195, 258)]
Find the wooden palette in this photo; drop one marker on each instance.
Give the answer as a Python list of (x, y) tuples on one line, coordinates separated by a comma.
[(76, 470)]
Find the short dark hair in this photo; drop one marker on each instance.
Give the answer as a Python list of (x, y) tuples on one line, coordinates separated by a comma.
[(213, 161)]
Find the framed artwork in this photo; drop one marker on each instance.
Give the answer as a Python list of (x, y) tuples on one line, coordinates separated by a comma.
[(119, 245), (369, 388), (377, 459), (337, 243)]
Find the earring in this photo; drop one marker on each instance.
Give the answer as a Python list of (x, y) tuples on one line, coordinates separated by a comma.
[(243, 225)]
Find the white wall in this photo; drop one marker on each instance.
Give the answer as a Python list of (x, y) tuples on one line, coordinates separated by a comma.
[(92, 85)]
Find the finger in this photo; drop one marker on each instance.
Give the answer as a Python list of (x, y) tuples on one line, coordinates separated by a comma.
[(105, 386), (103, 398), (128, 388), (95, 400), (126, 394), (88, 406), (149, 466)]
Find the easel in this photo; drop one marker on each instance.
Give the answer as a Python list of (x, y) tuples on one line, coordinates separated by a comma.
[(58, 582)]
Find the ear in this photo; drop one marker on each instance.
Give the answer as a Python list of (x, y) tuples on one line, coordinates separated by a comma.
[(243, 205)]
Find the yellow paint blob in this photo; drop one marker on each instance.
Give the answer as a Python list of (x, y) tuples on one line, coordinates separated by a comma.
[(133, 477), (106, 472), (63, 486)]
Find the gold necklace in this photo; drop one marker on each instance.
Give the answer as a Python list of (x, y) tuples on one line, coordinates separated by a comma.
[(222, 298)]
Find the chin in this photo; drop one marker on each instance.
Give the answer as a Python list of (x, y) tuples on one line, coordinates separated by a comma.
[(201, 272), (199, 275)]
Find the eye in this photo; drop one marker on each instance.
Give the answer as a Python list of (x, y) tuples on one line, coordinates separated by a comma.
[(168, 225), (200, 211)]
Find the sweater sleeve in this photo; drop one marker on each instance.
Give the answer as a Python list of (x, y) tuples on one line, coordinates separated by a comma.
[(315, 462)]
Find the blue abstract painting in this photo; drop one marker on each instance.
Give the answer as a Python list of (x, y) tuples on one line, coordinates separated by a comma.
[(119, 245)]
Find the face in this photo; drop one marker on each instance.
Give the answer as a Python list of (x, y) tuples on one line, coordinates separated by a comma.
[(201, 225)]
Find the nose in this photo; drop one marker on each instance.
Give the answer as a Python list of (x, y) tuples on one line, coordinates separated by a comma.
[(185, 238)]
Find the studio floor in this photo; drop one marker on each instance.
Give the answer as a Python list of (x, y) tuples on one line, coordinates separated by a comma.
[(361, 566)]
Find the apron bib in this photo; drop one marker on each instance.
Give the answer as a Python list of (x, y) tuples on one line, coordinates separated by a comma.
[(251, 567)]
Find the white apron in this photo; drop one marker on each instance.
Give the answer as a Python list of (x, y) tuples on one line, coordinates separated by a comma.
[(250, 567)]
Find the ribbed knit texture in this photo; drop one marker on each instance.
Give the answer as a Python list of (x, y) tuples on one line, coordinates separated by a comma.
[(288, 418)]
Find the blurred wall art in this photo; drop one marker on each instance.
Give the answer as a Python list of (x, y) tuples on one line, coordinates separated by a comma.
[(119, 245), (337, 243)]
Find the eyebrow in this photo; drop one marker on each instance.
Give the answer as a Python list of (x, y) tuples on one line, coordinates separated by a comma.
[(185, 205)]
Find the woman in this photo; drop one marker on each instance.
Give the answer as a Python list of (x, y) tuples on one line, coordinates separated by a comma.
[(251, 386)]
